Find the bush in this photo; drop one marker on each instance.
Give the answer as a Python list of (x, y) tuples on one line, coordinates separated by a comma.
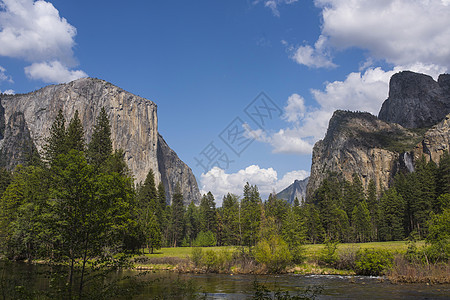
[(273, 253), (197, 255), (328, 255), (373, 262), (346, 259), (210, 261), (205, 239)]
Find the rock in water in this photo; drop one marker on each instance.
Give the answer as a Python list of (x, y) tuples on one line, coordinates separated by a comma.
[(134, 126)]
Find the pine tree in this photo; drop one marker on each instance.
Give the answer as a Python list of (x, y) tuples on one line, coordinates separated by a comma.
[(177, 217), (277, 209), (192, 223), (154, 234), (313, 224), (230, 219), (443, 175), (361, 222), (392, 209), (100, 146), (149, 208), (250, 215), (425, 198), (372, 205), (56, 142), (208, 218), (75, 134)]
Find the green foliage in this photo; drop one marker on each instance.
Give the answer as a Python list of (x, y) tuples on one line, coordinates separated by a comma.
[(100, 147), (439, 236), (154, 234), (75, 134), (251, 208), (230, 219), (373, 262), (361, 222), (191, 223), (176, 223), (205, 239), (56, 142), (274, 253), (196, 256), (392, 210), (329, 255), (294, 233)]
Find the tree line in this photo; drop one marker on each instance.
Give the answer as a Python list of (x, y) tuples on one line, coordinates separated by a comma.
[(79, 200)]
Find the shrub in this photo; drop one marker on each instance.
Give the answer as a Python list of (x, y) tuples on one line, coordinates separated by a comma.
[(346, 259), (372, 262), (197, 255), (210, 260), (205, 239), (328, 255), (274, 253)]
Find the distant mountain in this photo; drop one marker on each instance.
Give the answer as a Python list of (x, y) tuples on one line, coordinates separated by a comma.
[(297, 189)]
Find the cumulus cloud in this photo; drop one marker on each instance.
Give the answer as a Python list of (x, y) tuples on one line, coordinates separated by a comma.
[(4, 76), (295, 108), (401, 32), (53, 72), (274, 4), (316, 57), (8, 92), (219, 183), (35, 32)]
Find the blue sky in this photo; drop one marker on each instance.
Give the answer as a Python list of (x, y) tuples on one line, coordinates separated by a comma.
[(204, 62)]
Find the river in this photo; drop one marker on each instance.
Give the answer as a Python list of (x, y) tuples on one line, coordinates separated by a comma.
[(219, 286)]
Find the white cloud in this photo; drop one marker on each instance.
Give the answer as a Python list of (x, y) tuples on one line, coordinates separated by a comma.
[(4, 76), (8, 92), (53, 72), (295, 108), (401, 32), (35, 32), (219, 183), (317, 57), (274, 4)]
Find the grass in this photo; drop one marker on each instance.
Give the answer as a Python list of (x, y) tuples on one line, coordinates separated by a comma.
[(394, 247), (181, 252), (310, 250)]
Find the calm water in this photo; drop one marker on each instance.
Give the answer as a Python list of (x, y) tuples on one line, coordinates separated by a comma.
[(217, 286)]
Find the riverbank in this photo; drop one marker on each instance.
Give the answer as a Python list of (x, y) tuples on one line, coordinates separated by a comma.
[(236, 260)]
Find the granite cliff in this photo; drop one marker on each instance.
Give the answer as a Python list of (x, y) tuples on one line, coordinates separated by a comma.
[(414, 121), (134, 128), (416, 100)]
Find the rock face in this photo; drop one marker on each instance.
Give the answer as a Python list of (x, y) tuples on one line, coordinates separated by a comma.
[(376, 149), (134, 123), (295, 190), (416, 100), (435, 141), (359, 143), (174, 171), (17, 146)]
